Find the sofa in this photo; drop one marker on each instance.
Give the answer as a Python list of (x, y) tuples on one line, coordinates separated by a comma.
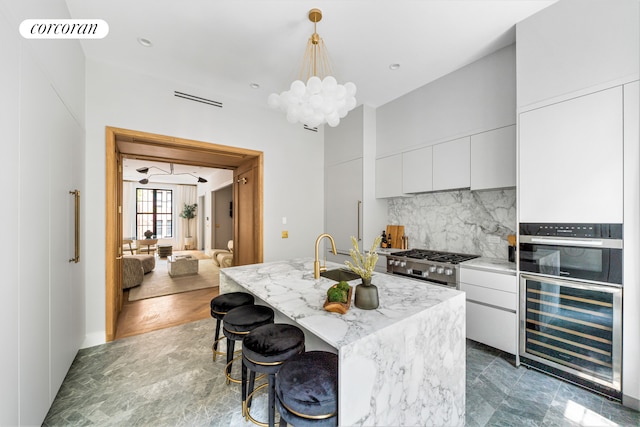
[(223, 257), (134, 267)]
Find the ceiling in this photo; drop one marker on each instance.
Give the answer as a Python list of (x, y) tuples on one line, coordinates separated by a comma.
[(225, 45)]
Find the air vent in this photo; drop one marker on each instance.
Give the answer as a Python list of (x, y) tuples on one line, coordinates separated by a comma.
[(311, 129), (197, 99)]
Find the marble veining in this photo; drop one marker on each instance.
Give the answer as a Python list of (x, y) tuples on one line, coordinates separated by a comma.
[(458, 221), (400, 364)]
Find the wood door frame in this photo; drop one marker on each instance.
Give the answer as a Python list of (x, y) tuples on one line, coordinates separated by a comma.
[(143, 145)]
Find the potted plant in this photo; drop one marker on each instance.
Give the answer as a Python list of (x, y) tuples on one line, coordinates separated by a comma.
[(188, 212), (363, 265)]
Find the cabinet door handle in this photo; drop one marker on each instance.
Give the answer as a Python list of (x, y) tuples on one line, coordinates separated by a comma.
[(76, 253), (359, 206)]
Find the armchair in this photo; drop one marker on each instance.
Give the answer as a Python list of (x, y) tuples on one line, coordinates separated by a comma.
[(223, 257)]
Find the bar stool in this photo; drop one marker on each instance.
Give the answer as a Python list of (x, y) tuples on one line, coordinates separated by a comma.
[(307, 390), (220, 306), (264, 350), (237, 325)]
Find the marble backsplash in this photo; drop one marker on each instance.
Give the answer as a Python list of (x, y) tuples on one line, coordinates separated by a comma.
[(470, 222)]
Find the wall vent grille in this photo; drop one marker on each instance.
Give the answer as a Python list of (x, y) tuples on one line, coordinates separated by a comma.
[(197, 99), (311, 129)]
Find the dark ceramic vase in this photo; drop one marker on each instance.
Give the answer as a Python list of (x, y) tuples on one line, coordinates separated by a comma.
[(366, 295)]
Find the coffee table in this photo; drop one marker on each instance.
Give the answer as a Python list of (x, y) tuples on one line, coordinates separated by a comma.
[(182, 265)]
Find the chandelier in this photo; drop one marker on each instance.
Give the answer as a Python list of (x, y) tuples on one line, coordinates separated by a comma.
[(321, 99), (145, 170)]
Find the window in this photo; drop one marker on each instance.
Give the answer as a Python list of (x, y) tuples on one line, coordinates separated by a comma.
[(154, 211)]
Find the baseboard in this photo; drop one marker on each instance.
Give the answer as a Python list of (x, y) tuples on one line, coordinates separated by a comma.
[(93, 339), (631, 402)]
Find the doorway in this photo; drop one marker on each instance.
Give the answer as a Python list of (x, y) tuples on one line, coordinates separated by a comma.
[(121, 143), (222, 214)]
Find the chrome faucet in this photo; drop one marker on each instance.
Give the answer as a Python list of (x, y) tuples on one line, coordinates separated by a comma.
[(316, 265)]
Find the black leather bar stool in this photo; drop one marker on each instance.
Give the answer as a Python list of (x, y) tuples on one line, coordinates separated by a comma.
[(264, 350), (220, 306), (307, 390), (237, 325)]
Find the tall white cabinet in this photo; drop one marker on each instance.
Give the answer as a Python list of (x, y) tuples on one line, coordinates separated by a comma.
[(351, 207), (41, 117)]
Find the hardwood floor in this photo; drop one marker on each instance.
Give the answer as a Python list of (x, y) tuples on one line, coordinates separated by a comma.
[(138, 317)]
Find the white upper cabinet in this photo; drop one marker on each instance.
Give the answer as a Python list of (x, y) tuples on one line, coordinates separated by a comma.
[(451, 164), (417, 170), (573, 45), (571, 160), (493, 159), (473, 99), (389, 176)]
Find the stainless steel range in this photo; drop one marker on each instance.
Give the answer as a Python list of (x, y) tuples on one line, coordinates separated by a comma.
[(434, 266)]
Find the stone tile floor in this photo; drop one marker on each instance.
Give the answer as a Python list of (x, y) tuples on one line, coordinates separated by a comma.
[(167, 378)]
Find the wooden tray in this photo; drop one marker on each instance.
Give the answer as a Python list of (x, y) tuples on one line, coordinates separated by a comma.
[(339, 307)]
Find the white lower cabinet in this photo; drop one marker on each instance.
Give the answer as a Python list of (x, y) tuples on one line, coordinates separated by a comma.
[(491, 326), (492, 301)]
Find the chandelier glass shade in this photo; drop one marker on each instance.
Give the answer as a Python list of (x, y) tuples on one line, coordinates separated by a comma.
[(316, 97)]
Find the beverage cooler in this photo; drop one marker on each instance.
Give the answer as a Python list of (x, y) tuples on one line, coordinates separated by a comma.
[(572, 330)]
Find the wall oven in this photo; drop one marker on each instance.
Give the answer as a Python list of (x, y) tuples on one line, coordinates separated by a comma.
[(591, 252), (571, 303)]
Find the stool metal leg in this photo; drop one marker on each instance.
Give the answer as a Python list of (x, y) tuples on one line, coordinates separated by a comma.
[(230, 347), (272, 400), (217, 338), (244, 389)]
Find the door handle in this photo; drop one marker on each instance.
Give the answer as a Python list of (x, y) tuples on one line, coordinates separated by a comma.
[(359, 206)]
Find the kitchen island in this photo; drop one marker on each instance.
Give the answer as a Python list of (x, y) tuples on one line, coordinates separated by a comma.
[(400, 364)]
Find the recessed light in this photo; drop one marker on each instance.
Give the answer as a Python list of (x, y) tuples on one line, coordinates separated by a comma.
[(394, 66), (254, 85), (145, 42)]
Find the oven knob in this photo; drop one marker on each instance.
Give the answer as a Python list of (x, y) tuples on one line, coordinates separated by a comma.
[(425, 274), (448, 272), (432, 268), (403, 263), (390, 262), (409, 271), (396, 263), (440, 270)]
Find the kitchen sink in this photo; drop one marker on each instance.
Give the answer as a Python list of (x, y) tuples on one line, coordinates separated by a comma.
[(340, 274)]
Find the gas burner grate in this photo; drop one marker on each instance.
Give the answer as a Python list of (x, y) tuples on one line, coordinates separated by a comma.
[(436, 256)]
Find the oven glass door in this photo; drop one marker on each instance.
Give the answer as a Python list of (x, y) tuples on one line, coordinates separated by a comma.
[(574, 326), (595, 264)]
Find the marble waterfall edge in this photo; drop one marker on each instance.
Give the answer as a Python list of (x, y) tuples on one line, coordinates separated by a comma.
[(394, 380)]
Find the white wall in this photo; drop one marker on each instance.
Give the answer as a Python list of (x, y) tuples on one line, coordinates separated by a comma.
[(293, 161), (42, 121)]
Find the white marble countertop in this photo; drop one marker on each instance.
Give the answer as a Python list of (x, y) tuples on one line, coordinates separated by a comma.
[(290, 288), (490, 264)]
